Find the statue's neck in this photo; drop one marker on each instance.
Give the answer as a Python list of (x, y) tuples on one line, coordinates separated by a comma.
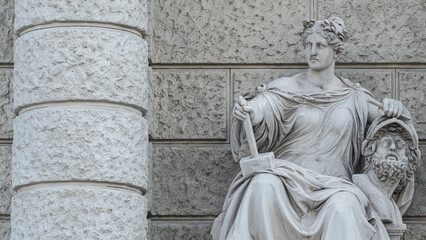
[(323, 79)]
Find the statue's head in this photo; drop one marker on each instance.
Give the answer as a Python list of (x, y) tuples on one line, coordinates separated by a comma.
[(323, 39), (391, 151)]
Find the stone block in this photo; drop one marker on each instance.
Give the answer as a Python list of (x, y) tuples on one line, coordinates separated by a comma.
[(416, 231), (247, 80), (5, 179), (130, 13), (227, 31), (77, 64), (191, 180), (7, 15), (178, 230), (377, 81), (412, 85), (380, 31), (78, 212), (190, 104), (79, 143), (5, 229), (418, 206), (6, 103)]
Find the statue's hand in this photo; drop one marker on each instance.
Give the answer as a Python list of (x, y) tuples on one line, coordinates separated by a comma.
[(393, 108), (241, 109)]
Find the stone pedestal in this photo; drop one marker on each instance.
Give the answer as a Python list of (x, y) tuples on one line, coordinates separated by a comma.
[(396, 232), (80, 162)]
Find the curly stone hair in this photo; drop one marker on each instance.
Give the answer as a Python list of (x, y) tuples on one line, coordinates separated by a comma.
[(332, 29)]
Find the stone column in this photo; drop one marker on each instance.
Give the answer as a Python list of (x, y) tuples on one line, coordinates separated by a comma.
[(80, 136)]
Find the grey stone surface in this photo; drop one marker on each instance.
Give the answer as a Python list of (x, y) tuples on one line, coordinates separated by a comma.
[(247, 80), (418, 206), (6, 103), (416, 231), (5, 178), (412, 85), (80, 143), (377, 81), (191, 180), (227, 31), (69, 64), (381, 31), (190, 104), (7, 36), (130, 13), (173, 230), (78, 213), (5, 229)]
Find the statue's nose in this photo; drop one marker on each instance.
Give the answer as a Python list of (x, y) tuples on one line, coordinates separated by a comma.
[(392, 146)]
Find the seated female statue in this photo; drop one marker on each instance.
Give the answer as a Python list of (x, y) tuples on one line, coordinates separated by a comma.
[(314, 123)]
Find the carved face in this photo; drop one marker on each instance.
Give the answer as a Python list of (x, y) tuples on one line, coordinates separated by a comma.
[(392, 146), (319, 54), (390, 161)]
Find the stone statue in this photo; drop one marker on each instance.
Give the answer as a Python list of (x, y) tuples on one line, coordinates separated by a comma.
[(314, 125), (391, 151)]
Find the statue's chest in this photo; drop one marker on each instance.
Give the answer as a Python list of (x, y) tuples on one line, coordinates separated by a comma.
[(333, 116)]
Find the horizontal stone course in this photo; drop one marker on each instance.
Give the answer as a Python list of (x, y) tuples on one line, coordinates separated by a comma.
[(418, 206), (78, 213), (73, 64), (130, 13), (5, 229), (412, 92), (191, 180), (380, 31), (5, 179), (80, 144), (6, 103), (227, 31), (176, 230), (189, 104), (378, 81), (7, 36)]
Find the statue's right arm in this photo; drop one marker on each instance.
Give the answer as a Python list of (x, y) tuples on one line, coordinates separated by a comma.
[(242, 108)]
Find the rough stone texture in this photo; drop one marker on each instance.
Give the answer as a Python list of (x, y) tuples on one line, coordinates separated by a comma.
[(227, 31), (418, 206), (381, 31), (377, 81), (412, 85), (199, 231), (416, 231), (5, 178), (78, 213), (6, 103), (190, 104), (247, 80), (5, 229), (78, 143), (7, 36), (69, 64), (191, 180), (131, 13)]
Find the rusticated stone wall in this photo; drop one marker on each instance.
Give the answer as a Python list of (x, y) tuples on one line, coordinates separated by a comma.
[(204, 54)]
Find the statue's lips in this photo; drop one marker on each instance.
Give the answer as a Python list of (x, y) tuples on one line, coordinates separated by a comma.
[(392, 157)]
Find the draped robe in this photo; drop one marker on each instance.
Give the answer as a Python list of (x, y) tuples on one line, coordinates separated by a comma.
[(316, 139)]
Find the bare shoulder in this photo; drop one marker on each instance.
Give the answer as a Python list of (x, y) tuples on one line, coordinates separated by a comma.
[(289, 84)]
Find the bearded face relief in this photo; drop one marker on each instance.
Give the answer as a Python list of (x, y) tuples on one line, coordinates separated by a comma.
[(390, 161)]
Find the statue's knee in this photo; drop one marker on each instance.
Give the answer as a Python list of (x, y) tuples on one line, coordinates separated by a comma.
[(264, 182), (344, 203)]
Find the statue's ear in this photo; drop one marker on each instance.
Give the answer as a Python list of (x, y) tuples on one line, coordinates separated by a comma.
[(368, 147)]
